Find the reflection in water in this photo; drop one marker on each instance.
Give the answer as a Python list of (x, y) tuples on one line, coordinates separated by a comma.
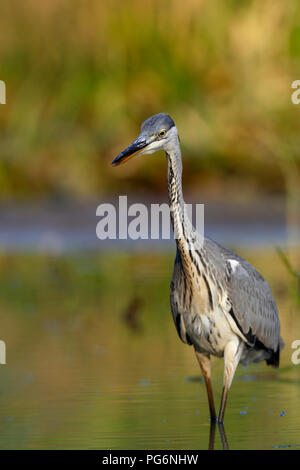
[(212, 435), (223, 436), (78, 377), (131, 315)]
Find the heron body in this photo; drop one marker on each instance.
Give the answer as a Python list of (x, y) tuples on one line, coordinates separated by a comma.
[(220, 304)]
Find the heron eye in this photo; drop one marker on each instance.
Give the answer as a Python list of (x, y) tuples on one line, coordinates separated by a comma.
[(162, 133)]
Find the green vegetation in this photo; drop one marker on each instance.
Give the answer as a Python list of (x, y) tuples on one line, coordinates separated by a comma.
[(82, 75), (294, 274)]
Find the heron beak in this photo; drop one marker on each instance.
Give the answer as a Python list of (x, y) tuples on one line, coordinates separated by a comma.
[(135, 148)]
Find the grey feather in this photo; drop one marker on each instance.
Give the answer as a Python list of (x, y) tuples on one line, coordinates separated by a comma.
[(252, 300)]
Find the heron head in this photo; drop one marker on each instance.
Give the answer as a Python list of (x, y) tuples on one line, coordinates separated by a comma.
[(157, 133)]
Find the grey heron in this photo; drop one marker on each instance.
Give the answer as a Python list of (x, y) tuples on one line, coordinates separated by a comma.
[(220, 304)]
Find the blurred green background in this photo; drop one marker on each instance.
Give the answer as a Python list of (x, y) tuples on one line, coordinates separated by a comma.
[(81, 76), (93, 358)]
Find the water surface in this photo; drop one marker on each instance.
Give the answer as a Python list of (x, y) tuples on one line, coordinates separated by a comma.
[(94, 361)]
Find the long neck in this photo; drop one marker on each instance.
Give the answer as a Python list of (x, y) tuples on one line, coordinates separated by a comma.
[(181, 224)]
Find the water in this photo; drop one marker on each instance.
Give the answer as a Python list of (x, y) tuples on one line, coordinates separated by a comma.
[(94, 361), (64, 227)]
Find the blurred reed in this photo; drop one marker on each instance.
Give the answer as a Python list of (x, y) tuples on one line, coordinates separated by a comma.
[(81, 76), (294, 274)]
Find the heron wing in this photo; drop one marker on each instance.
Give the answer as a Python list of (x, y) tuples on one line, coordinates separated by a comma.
[(252, 302)]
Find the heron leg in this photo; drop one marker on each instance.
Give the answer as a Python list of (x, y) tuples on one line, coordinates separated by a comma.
[(204, 362), (232, 355)]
